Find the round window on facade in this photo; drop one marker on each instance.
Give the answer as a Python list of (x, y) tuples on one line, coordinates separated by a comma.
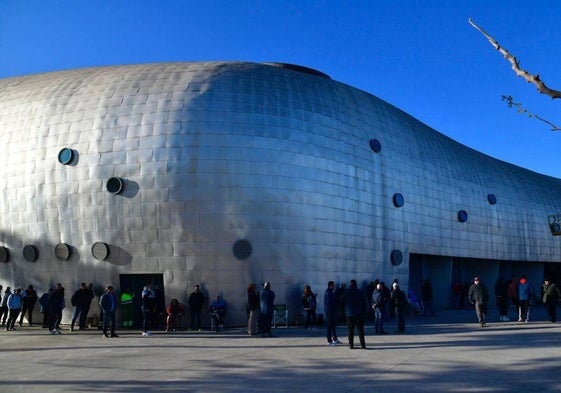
[(30, 253), (398, 200), (62, 251), (100, 251), (242, 249), (4, 254), (396, 257), (65, 156), (462, 216), (114, 185), (375, 145), (492, 199)]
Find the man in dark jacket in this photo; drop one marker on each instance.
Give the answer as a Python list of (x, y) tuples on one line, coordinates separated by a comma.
[(379, 302), (356, 307), (330, 309), (550, 298), (108, 304), (55, 306), (266, 307), (29, 297), (479, 296), (81, 300), (196, 302)]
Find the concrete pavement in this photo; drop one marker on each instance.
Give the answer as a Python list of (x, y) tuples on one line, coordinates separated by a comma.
[(446, 353)]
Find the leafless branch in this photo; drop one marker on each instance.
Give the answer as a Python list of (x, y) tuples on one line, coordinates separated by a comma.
[(520, 109), (534, 79)]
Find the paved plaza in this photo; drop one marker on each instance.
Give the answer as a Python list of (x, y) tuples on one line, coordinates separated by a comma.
[(446, 353)]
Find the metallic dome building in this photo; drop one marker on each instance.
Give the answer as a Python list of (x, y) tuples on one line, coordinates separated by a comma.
[(226, 173)]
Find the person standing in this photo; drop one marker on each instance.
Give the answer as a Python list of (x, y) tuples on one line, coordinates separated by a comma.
[(356, 307), (501, 293), (266, 306), (44, 306), (310, 303), (330, 310), (426, 293), (148, 304), (525, 296), (4, 312), (196, 302), (253, 308), (127, 298), (108, 304), (55, 306), (399, 302), (550, 298), (512, 291), (379, 306), (29, 298), (14, 307), (478, 296), (81, 300)]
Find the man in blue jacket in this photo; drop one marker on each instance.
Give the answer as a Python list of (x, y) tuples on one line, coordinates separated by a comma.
[(108, 304)]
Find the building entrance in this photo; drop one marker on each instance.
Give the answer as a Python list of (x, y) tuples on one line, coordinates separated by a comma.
[(134, 284)]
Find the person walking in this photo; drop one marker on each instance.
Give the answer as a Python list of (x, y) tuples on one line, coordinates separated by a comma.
[(525, 297), (550, 298), (330, 310), (266, 307), (478, 296), (81, 300), (29, 299), (4, 312), (356, 308), (196, 302), (108, 304), (55, 306)]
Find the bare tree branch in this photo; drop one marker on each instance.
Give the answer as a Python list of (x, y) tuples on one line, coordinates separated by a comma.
[(520, 109), (534, 79)]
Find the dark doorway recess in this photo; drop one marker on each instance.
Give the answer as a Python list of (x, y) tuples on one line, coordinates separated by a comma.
[(136, 283)]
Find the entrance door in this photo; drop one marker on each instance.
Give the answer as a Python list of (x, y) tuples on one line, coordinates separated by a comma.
[(136, 283)]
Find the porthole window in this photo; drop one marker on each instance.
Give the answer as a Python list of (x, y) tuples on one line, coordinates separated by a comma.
[(65, 156), (100, 251), (462, 216), (4, 254), (492, 199), (114, 185), (398, 200), (62, 251), (242, 249), (30, 253), (375, 145), (396, 257)]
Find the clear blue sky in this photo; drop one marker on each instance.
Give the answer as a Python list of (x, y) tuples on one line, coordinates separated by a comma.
[(421, 56)]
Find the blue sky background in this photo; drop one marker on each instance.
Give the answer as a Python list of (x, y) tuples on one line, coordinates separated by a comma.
[(421, 56)]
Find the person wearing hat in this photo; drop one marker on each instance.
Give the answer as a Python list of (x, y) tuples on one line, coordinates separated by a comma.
[(550, 298), (478, 296)]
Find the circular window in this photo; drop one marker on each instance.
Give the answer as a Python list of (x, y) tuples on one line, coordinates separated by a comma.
[(30, 253), (492, 199), (65, 156), (100, 251), (4, 254), (462, 216), (62, 251), (396, 257), (242, 249), (114, 185), (398, 200), (375, 145)]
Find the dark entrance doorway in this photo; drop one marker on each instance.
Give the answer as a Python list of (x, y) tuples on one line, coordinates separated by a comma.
[(136, 283)]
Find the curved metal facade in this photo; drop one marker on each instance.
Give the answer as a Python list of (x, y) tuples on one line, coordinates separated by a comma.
[(211, 153)]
